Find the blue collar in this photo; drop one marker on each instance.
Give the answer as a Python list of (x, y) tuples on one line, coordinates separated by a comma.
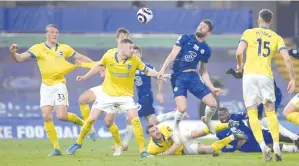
[(157, 143), (56, 46), (115, 56)]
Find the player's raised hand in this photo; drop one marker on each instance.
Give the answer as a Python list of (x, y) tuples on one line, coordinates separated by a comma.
[(80, 78), (13, 48), (217, 91), (291, 86)]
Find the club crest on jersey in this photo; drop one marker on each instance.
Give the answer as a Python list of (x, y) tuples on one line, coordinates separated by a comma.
[(190, 56), (202, 51), (195, 47), (129, 66), (60, 55)]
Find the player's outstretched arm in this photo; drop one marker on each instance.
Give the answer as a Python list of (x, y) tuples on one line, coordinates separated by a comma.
[(91, 72), (18, 57), (153, 73), (172, 149), (86, 65), (239, 55), (171, 57), (82, 58), (289, 64), (203, 71)]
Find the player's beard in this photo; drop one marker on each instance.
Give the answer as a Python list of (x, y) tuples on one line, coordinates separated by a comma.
[(200, 35)]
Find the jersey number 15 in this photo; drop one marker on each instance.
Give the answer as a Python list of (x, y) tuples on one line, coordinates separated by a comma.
[(265, 45)]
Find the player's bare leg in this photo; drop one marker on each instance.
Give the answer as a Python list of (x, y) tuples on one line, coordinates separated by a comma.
[(274, 128), (132, 115), (201, 132), (50, 129), (291, 112), (109, 122), (257, 131), (86, 128), (84, 100), (284, 132), (181, 103), (210, 110)]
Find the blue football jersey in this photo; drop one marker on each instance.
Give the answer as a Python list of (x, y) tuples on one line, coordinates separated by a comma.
[(143, 82), (192, 52), (250, 144)]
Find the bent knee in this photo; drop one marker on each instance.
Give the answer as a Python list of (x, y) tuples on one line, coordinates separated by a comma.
[(47, 117), (61, 117), (87, 97)]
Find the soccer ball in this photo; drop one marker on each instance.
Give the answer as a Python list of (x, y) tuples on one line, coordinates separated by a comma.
[(144, 15)]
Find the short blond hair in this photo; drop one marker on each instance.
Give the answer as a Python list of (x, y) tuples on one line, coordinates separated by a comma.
[(51, 25)]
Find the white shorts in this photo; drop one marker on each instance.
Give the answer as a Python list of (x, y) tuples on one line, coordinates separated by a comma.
[(295, 100), (96, 89), (190, 147), (53, 95), (113, 104), (257, 89)]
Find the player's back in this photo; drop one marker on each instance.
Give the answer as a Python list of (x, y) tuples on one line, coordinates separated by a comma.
[(262, 43)]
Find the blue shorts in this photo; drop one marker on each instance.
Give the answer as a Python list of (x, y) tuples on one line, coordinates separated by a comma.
[(189, 81), (146, 103)]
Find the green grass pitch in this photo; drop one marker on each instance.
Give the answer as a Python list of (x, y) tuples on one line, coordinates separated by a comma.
[(99, 153)]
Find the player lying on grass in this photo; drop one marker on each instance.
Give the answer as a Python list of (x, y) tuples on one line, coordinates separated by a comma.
[(162, 143), (291, 111), (285, 134), (249, 144)]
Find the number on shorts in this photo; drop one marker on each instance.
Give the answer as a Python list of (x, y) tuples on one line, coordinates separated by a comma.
[(265, 46), (61, 97)]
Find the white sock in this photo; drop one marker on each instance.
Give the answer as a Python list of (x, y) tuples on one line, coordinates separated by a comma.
[(262, 146), (276, 147), (287, 133), (128, 135), (176, 129), (178, 117), (289, 148), (209, 112), (282, 130), (166, 116)]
